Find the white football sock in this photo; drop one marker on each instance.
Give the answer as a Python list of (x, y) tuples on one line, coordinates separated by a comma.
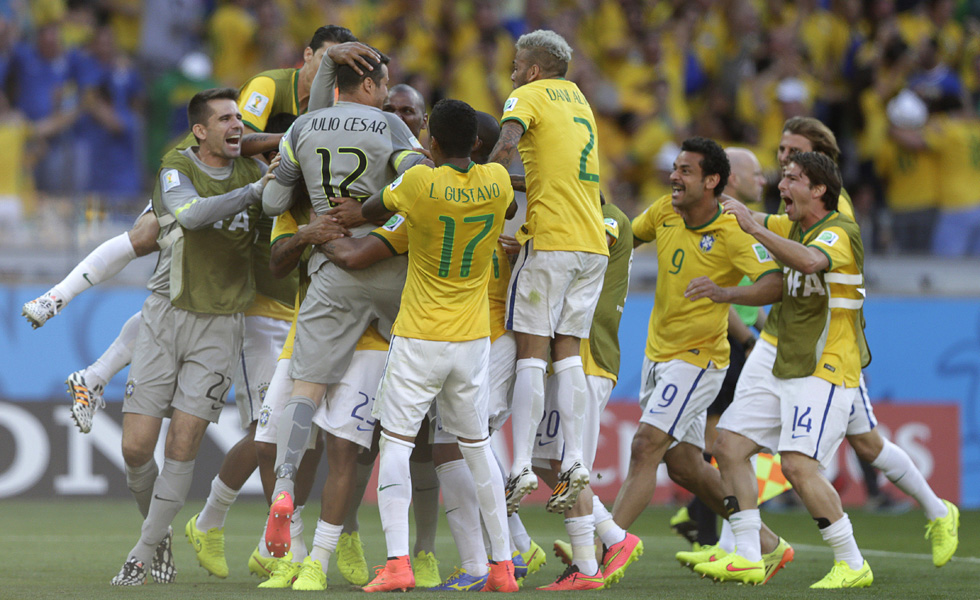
[(608, 531), (216, 508), (572, 397), (518, 534), (325, 542), (394, 492), (726, 541), (746, 525), (581, 532), (102, 264), (840, 537), (528, 408), (490, 493), (463, 514), (898, 467)]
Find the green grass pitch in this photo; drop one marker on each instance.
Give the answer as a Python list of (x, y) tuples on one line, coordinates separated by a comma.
[(71, 548)]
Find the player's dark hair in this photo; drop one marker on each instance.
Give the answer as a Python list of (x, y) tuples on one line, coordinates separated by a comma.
[(820, 170), (279, 122), (821, 137), (453, 124), (331, 33), (198, 109), (488, 130), (714, 161), (348, 80)]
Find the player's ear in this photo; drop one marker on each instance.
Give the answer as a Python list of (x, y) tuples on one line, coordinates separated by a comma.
[(712, 181), (307, 54), (200, 131)]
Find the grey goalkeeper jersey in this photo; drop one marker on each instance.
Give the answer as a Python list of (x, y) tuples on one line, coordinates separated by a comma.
[(346, 150)]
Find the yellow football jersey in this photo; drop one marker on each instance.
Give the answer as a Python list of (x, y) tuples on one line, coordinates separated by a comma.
[(911, 177), (845, 289), (395, 235), (695, 332), (454, 218), (561, 162), (285, 226), (769, 334)]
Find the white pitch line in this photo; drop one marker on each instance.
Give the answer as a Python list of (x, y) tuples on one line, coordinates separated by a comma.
[(888, 554)]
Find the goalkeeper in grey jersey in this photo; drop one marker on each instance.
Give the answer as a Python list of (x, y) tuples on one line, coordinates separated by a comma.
[(350, 149)]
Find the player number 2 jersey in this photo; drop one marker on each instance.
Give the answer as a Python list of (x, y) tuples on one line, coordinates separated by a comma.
[(560, 152)]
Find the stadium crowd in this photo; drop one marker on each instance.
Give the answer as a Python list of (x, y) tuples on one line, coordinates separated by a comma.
[(95, 90)]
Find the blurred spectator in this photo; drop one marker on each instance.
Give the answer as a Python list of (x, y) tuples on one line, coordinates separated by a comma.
[(481, 57), (911, 177), (934, 79), (110, 131), (232, 33), (954, 136), (169, 95), (38, 79), (171, 29)]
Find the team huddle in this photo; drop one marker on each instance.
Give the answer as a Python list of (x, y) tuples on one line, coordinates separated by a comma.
[(359, 292)]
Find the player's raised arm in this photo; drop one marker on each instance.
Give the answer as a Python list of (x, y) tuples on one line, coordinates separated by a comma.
[(506, 147)]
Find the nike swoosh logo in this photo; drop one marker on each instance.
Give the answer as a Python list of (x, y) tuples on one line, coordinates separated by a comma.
[(384, 487), (428, 489), (362, 428), (612, 558), (800, 436), (656, 412), (451, 510), (156, 496), (546, 443), (856, 579), (668, 225), (733, 569), (85, 276)]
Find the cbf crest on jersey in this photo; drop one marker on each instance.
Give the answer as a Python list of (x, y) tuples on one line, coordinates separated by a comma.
[(707, 242)]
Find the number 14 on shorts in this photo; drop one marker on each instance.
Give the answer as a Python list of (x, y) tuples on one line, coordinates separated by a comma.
[(801, 422)]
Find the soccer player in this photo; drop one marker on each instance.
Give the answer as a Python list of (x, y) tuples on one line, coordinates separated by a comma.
[(459, 491), (559, 275), (192, 325), (687, 348), (734, 446), (364, 149), (406, 102), (696, 522), (816, 373), (600, 355), (454, 213)]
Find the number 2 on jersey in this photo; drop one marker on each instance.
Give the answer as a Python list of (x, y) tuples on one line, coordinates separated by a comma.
[(449, 235), (583, 172)]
